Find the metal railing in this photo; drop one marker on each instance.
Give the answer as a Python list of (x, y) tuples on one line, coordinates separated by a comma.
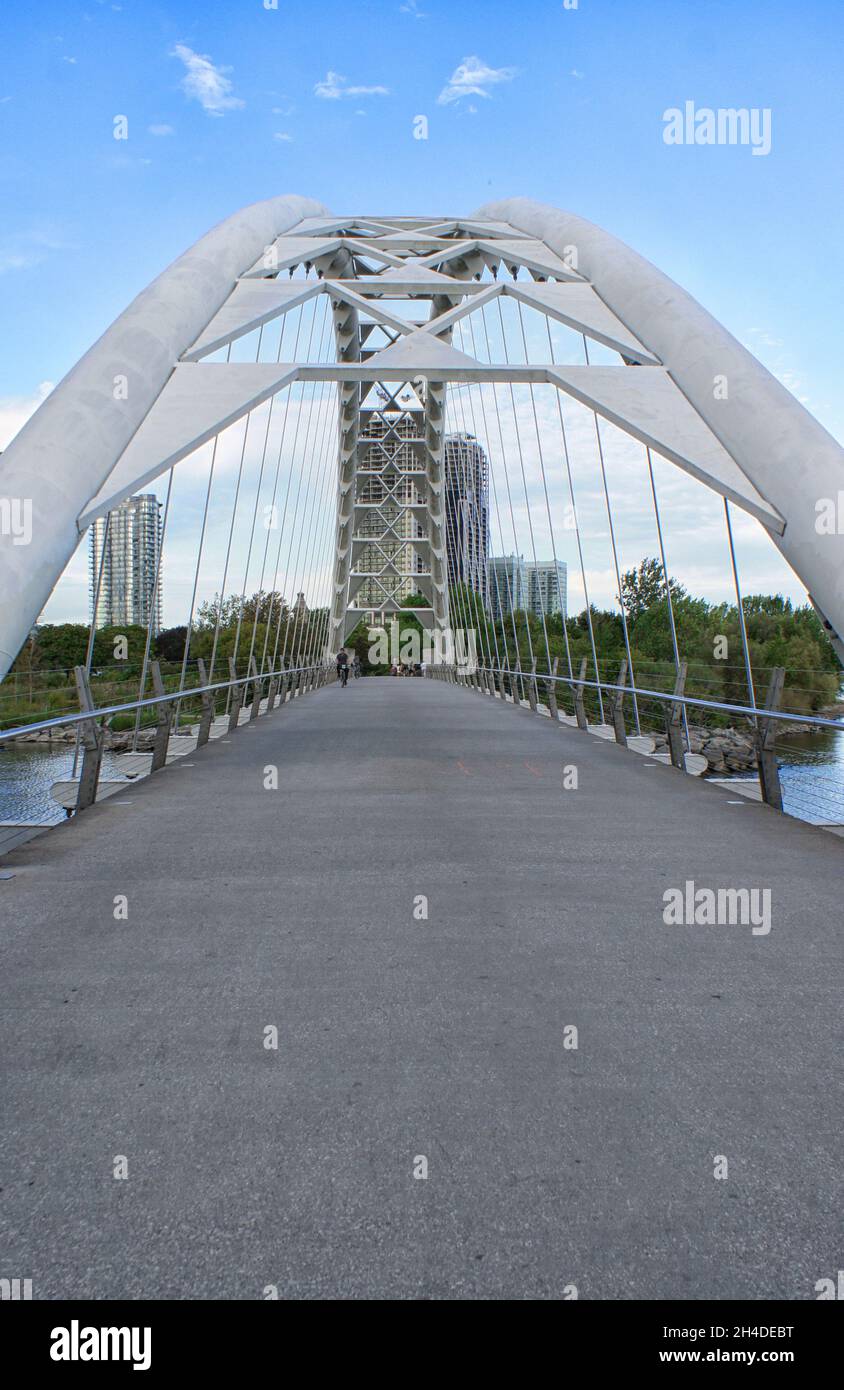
[(282, 685), (520, 685)]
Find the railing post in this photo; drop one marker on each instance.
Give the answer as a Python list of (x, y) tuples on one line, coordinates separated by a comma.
[(237, 696), (618, 706), (551, 686), (164, 718), (673, 722), (532, 691), (92, 741), (284, 681), (256, 689), (207, 715), (271, 692), (502, 689), (766, 739), (579, 707), (516, 682)]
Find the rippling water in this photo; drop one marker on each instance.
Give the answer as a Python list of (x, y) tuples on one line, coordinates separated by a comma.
[(27, 773), (811, 773)]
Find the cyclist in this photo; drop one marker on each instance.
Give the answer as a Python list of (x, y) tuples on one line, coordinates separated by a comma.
[(342, 666)]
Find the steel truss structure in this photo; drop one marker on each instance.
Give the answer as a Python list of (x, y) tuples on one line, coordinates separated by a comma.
[(399, 288)]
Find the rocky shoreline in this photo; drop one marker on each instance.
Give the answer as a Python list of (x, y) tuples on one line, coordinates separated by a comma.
[(726, 750), (116, 741)]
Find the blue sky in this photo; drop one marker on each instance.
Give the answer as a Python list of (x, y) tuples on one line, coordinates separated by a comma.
[(229, 103)]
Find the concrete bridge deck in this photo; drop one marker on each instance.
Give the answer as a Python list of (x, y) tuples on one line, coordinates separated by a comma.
[(398, 1038)]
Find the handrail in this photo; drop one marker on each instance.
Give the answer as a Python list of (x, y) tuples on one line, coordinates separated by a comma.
[(101, 712), (745, 711)]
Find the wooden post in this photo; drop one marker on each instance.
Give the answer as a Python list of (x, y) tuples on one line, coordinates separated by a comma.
[(533, 688), (673, 722), (618, 706), (92, 742), (766, 738), (237, 696), (552, 691), (271, 692), (256, 689), (164, 717), (207, 715), (579, 708)]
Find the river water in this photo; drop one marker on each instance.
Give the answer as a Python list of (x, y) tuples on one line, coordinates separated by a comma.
[(811, 773), (27, 772)]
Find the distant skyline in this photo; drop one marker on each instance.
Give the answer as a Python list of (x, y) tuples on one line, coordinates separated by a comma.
[(224, 105)]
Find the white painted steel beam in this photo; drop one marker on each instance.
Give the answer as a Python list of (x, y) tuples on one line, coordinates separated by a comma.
[(784, 452), (65, 452)]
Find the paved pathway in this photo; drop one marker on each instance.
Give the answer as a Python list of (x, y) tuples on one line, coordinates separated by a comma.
[(400, 1038)]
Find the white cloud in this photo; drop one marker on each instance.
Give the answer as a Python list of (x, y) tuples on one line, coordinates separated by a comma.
[(160, 129), (27, 249), (205, 82), (283, 137), (411, 7), (16, 410), (473, 77), (333, 87), (65, 59)]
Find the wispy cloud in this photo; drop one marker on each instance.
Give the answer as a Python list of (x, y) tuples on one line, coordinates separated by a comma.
[(334, 87), (473, 77), (205, 82), (412, 7), (28, 249), (283, 137), (160, 129)]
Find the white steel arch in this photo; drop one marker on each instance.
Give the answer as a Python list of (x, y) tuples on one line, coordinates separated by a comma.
[(779, 446), (89, 445)]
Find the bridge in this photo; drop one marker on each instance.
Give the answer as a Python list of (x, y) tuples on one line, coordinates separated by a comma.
[(455, 986), (446, 1037)]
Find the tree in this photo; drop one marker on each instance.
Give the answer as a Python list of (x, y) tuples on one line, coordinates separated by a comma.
[(644, 587), (170, 643), (61, 645), (29, 661), (267, 605)]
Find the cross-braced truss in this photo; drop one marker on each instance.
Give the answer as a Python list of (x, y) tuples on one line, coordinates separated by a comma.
[(398, 289)]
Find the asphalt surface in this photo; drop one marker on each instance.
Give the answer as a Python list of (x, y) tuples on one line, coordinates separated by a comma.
[(402, 1038)]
